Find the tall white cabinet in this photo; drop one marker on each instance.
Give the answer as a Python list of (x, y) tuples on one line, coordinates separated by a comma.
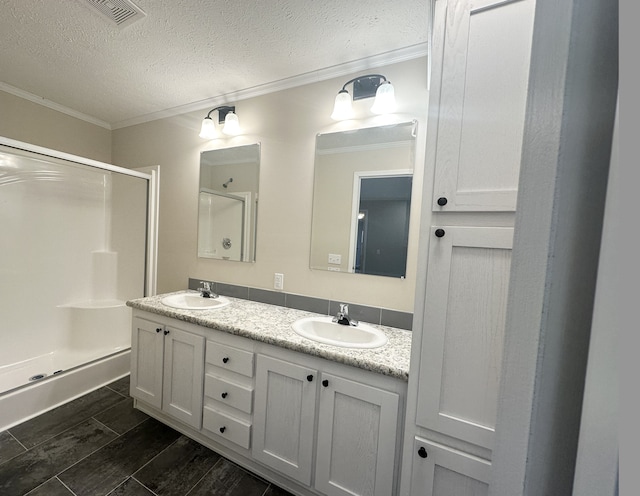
[(479, 75)]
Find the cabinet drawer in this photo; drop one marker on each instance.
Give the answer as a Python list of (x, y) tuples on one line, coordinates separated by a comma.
[(228, 427), (230, 358), (229, 393)]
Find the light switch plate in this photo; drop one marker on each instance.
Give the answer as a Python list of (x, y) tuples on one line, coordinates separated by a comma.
[(278, 281), (335, 259)]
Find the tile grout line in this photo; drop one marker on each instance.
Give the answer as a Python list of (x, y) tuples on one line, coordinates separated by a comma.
[(68, 488), (156, 455), (107, 427), (17, 440), (152, 492), (205, 474), (118, 392), (61, 432), (87, 456)]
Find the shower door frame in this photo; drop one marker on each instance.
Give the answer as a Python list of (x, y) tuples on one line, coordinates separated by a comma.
[(153, 188)]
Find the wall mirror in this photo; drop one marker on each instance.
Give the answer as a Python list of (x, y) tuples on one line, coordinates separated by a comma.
[(362, 200), (228, 203)]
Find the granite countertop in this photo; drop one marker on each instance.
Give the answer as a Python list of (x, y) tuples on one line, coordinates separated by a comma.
[(272, 324)]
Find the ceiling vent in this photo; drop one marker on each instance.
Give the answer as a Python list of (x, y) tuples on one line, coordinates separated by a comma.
[(119, 12)]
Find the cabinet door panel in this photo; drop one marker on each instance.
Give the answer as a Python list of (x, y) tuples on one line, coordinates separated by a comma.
[(147, 351), (357, 427), (442, 471), (481, 51), (184, 376), (284, 417), (465, 308)]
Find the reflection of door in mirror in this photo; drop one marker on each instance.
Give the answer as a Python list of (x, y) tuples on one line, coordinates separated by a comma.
[(380, 222), (228, 199), (363, 171), (221, 225)]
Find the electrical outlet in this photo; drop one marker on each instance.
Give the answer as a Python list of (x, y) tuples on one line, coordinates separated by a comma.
[(278, 281), (335, 259)]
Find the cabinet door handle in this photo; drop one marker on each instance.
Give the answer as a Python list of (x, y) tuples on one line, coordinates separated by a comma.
[(224, 395), (310, 377), (158, 329), (225, 359), (166, 332), (442, 201), (325, 383), (222, 429), (439, 233), (422, 452)]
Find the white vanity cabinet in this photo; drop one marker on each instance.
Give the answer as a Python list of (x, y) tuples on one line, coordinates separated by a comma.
[(167, 369), (357, 428), (311, 425), (228, 391)]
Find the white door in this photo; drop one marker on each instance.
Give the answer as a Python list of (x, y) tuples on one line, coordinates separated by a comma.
[(438, 470), (147, 352), (357, 427), (464, 316), (183, 376), (481, 51), (284, 417)]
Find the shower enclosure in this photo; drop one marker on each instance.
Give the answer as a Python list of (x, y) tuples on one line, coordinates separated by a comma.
[(74, 245)]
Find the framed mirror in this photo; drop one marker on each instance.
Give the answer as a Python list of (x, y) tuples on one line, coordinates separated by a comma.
[(228, 203), (362, 200)]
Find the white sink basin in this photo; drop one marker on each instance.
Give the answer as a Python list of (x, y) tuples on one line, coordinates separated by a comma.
[(323, 330), (193, 301)]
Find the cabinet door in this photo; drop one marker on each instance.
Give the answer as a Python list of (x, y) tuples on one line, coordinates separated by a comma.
[(357, 427), (183, 376), (285, 403), (438, 470), (481, 53), (462, 336), (147, 351)]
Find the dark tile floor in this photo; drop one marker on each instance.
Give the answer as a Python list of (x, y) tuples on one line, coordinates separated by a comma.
[(99, 445)]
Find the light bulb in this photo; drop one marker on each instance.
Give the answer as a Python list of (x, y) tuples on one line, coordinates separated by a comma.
[(231, 125), (342, 107), (208, 129), (385, 102)]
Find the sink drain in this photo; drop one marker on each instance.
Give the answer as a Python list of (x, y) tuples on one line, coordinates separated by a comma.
[(37, 377)]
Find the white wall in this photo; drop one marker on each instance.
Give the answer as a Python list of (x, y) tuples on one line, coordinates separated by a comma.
[(26, 121), (286, 124)]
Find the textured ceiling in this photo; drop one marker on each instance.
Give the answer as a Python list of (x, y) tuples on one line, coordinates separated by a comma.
[(186, 51)]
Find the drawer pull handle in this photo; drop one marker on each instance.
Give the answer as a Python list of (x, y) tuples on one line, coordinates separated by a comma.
[(442, 201), (166, 332), (158, 329), (222, 429), (422, 452), (439, 233), (224, 395), (225, 359), (310, 377), (325, 383)]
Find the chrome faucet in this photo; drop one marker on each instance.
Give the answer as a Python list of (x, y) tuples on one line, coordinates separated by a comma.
[(205, 290), (342, 317)]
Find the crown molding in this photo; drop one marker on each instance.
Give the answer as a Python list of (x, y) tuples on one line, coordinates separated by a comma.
[(7, 88), (392, 57)]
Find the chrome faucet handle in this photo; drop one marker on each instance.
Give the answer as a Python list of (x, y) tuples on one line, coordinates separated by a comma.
[(205, 290), (342, 317)]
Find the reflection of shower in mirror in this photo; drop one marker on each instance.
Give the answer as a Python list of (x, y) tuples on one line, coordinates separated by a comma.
[(224, 185)]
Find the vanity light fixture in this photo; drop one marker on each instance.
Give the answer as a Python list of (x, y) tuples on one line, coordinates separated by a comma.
[(365, 87), (227, 115)]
